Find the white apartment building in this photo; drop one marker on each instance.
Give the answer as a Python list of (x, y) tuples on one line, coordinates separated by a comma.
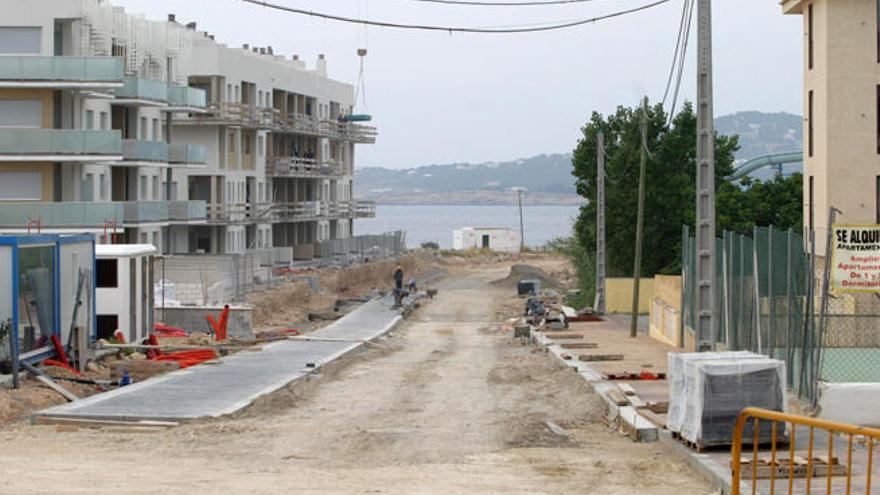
[(152, 132)]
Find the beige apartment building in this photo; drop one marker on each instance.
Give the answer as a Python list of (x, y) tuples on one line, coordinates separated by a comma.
[(841, 117)]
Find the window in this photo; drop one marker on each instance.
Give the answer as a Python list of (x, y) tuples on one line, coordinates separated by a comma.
[(247, 144), (21, 186), (107, 325), (155, 187), (231, 147), (260, 145), (143, 237), (229, 92), (90, 120), (104, 125), (143, 129), (877, 199), (237, 94), (21, 113), (143, 187), (810, 123), (102, 181), (810, 37), (157, 136), (810, 204), (107, 273), (156, 239), (20, 40)]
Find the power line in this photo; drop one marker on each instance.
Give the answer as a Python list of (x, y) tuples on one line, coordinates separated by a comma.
[(474, 3), (684, 7), (453, 29), (681, 61)]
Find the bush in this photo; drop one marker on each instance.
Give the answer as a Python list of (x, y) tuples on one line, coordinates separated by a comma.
[(430, 245)]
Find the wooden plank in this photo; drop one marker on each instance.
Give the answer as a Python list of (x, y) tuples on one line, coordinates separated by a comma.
[(636, 401), (566, 336), (617, 397), (656, 419), (626, 388), (601, 357), (45, 380), (580, 345), (661, 407)]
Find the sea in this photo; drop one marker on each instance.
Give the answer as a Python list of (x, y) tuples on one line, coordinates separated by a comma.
[(423, 223)]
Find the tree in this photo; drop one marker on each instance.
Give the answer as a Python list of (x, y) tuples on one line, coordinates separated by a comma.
[(671, 189)]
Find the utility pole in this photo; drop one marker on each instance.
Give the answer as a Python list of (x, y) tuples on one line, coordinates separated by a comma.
[(168, 171), (599, 304), (705, 228), (637, 268), (522, 230)]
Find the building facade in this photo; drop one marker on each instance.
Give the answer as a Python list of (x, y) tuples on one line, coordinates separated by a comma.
[(152, 132), (841, 118)]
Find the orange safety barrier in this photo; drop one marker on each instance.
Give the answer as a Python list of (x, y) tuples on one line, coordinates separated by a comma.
[(847, 479)]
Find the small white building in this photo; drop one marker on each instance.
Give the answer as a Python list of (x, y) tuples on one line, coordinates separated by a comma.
[(496, 239), (124, 294)]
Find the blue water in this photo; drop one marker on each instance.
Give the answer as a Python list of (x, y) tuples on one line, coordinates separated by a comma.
[(435, 223)]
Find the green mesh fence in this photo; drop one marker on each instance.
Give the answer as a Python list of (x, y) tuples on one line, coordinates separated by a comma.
[(762, 296)]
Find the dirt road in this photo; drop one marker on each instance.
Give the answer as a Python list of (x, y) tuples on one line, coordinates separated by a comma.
[(449, 405)]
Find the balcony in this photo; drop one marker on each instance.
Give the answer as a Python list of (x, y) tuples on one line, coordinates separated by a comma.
[(137, 90), (60, 72), (185, 98), (294, 167), (137, 212), (135, 150), (239, 114), (59, 145), (364, 209), (187, 154), (97, 215)]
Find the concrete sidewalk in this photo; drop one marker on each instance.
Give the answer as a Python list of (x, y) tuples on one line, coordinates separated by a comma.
[(212, 390)]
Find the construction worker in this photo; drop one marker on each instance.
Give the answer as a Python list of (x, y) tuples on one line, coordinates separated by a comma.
[(398, 286)]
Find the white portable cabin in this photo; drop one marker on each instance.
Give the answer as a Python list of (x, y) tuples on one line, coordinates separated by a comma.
[(496, 239), (125, 297)]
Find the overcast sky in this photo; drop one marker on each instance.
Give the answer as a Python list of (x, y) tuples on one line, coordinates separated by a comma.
[(440, 98)]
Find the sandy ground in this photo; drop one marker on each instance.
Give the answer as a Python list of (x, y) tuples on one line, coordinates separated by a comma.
[(449, 404)]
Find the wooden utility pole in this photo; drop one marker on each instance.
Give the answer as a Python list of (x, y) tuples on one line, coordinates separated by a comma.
[(599, 304), (705, 228), (637, 268), (522, 229)]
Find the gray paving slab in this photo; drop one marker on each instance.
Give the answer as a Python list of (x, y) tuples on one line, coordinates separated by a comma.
[(212, 390)]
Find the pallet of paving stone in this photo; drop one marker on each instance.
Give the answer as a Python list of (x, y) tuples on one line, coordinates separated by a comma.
[(784, 468), (600, 357)]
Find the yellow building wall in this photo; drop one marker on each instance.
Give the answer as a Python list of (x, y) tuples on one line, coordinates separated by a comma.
[(44, 95), (619, 295), (665, 310)]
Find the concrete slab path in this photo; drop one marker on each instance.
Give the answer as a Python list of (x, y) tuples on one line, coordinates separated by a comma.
[(212, 390)]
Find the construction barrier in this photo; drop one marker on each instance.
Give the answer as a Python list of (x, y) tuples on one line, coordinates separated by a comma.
[(799, 471)]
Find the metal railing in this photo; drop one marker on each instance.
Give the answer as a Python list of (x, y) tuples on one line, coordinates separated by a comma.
[(294, 167), (795, 471), (102, 70), (365, 209), (187, 154), (60, 142), (136, 88), (144, 151), (385, 245)]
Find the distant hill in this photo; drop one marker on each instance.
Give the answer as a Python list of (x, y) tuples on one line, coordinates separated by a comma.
[(548, 178)]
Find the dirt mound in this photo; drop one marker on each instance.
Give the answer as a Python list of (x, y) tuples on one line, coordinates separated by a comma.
[(526, 272)]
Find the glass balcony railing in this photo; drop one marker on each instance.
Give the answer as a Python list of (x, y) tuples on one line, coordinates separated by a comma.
[(61, 69), (59, 142), (187, 154), (184, 96), (163, 211), (87, 214), (144, 151), (135, 88)]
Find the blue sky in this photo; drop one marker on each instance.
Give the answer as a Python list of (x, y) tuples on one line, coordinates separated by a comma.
[(440, 98)]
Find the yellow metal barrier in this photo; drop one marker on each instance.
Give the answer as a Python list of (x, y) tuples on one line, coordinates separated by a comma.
[(850, 432)]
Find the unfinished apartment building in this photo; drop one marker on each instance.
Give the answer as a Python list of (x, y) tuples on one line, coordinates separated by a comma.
[(151, 132)]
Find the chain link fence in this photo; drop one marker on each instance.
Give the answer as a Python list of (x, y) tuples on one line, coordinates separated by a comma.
[(364, 247), (762, 298)]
